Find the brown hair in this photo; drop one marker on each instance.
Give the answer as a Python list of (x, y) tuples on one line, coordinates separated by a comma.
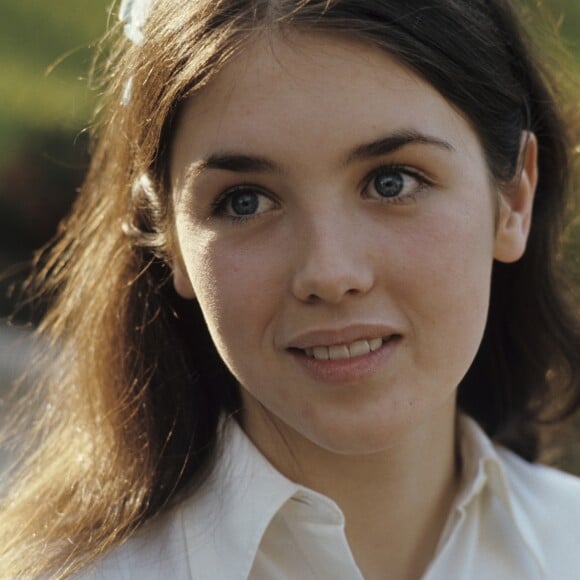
[(133, 389)]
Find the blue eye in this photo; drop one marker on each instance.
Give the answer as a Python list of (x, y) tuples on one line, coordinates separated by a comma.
[(389, 184), (242, 203), (245, 203), (395, 184)]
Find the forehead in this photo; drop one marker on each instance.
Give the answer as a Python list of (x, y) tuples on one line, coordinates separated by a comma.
[(306, 94)]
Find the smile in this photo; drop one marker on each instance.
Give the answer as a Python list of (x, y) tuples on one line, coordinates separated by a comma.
[(344, 351)]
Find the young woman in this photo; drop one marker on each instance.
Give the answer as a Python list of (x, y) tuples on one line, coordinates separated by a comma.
[(306, 314)]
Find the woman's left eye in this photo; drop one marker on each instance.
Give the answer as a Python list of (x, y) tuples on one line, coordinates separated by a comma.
[(395, 184)]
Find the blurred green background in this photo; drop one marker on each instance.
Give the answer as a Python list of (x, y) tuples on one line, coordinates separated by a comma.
[(46, 50), (45, 55)]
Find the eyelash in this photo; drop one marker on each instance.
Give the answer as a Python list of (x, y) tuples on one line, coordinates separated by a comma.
[(422, 182), (218, 207)]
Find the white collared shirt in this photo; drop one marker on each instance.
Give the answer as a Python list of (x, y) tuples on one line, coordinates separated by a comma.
[(511, 520)]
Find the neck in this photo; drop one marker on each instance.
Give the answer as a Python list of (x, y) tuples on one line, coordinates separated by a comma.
[(395, 502)]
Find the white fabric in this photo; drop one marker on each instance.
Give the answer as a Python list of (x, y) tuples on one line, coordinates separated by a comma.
[(134, 14), (511, 520)]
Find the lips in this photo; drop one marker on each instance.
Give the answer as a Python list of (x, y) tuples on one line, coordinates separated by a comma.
[(348, 357), (346, 343)]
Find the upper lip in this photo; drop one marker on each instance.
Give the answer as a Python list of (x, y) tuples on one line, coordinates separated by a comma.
[(344, 335)]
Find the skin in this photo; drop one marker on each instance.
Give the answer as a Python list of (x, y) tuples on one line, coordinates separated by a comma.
[(325, 256)]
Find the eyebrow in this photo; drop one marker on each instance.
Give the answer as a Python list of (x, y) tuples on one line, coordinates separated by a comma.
[(392, 143), (241, 163)]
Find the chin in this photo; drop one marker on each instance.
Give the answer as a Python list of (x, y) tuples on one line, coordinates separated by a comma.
[(377, 430)]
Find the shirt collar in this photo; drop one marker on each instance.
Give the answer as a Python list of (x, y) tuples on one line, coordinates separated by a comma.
[(246, 492), (238, 501), (483, 468)]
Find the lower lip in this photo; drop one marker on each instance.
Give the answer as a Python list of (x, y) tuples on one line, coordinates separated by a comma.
[(348, 370)]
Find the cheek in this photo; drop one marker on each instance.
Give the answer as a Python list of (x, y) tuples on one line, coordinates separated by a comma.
[(447, 291), (455, 262), (237, 288)]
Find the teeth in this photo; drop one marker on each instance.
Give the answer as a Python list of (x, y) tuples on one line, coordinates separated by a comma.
[(338, 352), (342, 351), (359, 348), (320, 353)]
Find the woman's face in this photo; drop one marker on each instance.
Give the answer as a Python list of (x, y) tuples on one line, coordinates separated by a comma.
[(335, 217)]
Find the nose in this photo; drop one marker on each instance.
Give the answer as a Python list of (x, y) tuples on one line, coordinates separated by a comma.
[(334, 262)]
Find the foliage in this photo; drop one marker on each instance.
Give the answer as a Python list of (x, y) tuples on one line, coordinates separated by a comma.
[(34, 37)]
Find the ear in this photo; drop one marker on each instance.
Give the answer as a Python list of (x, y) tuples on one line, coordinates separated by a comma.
[(516, 203), (182, 283)]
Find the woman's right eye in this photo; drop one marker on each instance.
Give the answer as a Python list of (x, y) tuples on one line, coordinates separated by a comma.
[(243, 203)]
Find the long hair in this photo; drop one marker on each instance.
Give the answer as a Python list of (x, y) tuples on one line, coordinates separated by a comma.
[(133, 391)]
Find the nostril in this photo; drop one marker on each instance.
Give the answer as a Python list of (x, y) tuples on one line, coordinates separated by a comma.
[(331, 295), (331, 283), (312, 299)]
